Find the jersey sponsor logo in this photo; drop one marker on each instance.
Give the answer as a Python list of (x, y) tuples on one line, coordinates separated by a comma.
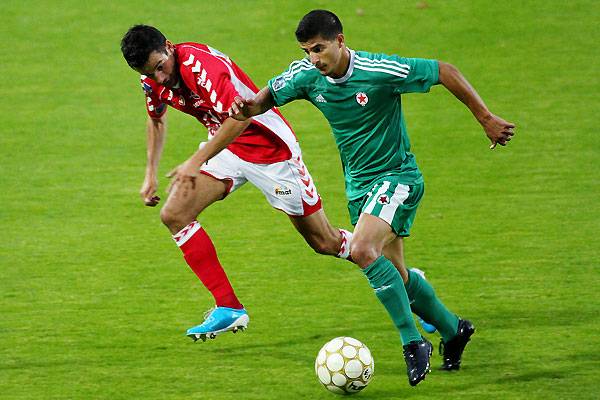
[(278, 83), (383, 199), (362, 98), (320, 99), (282, 191)]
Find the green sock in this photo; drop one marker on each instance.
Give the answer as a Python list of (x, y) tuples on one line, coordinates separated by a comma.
[(385, 279), (427, 306)]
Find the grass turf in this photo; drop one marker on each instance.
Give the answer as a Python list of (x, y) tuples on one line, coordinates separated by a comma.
[(95, 298)]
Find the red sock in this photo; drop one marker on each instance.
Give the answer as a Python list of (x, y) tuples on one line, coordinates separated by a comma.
[(200, 254)]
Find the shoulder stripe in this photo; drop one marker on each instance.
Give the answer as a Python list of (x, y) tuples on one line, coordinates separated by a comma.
[(402, 68), (386, 71), (382, 60), (289, 76), (296, 66)]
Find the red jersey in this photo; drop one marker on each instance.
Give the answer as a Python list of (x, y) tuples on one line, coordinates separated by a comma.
[(209, 81)]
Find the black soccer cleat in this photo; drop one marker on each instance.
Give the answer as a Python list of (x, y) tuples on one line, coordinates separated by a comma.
[(452, 351), (416, 355)]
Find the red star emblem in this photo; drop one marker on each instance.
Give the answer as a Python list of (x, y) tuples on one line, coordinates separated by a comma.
[(362, 99), (383, 199)]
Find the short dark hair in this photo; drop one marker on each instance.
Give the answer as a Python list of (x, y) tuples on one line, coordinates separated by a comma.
[(139, 42), (319, 23)]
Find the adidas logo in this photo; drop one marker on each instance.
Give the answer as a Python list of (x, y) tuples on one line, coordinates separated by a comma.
[(320, 99)]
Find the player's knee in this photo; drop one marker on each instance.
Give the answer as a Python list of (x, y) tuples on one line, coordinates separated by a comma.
[(363, 253), (172, 220), (323, 246)]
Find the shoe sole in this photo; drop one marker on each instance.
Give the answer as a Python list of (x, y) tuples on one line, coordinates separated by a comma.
[(240, 324)]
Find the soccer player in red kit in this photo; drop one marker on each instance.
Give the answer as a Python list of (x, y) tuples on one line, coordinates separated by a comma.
[(203, 82)]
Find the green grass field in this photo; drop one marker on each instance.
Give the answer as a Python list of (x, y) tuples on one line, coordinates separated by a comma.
[(95, 297)]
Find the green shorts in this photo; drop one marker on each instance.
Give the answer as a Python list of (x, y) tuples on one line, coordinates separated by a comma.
[(393, 202)]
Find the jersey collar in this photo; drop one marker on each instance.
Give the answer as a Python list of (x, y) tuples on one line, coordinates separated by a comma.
[(348, 73)]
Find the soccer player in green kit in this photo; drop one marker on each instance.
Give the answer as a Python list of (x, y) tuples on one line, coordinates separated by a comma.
[(360, 95)]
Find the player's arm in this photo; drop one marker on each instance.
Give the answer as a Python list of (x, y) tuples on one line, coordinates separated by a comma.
[(242, 109), (187, 172), (497, 129), (156, 129)]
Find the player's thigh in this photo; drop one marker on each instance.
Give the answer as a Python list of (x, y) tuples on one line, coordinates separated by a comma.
[(286, 185), (218, 177), (186, 201), (391, 201), (372, 233)]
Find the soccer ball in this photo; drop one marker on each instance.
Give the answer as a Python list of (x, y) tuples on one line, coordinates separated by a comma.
[(344, 365)]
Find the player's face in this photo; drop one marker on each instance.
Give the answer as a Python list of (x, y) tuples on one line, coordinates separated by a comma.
[(161, 66), (328, 56)]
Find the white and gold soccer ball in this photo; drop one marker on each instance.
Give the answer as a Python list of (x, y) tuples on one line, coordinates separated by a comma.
[(344, 365)]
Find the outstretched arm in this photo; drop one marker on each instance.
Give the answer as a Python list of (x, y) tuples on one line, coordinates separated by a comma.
[(187, 172), (242, 109), (497, 129), (156, 131)]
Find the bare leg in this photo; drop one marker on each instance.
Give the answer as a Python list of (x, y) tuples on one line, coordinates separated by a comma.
[(394, 251), (371, 235), (318, 233), (187, 201)]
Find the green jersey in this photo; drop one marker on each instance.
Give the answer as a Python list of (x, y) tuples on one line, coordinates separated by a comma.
[(364, 110)]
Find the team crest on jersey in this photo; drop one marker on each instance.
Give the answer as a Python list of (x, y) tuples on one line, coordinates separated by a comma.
[(181, 101), (383, 199), (362, 98), (278, 83)]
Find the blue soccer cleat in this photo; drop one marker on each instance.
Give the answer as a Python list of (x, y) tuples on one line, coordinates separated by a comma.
[(426, 326), (219, 320)]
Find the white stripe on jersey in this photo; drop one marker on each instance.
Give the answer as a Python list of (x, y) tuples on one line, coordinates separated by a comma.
[(293, 68), (384, 66), (196, 67), (389, 63), (387, 71), (189, 61), (291, 76)]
